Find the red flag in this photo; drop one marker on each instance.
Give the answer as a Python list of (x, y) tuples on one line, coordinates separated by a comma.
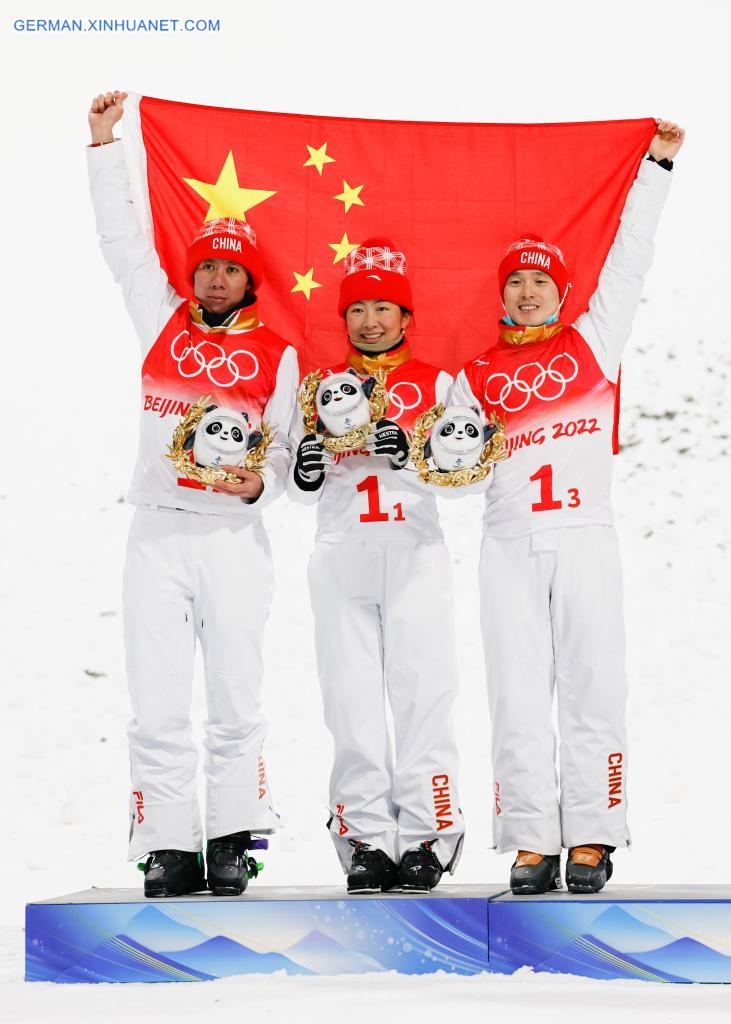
[(451, 196)]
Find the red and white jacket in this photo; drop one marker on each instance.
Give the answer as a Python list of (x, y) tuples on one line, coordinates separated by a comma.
[(362, 496), (555, 388), (242, 364)]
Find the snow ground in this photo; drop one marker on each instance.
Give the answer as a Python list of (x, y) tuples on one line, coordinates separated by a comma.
[(63, 746)]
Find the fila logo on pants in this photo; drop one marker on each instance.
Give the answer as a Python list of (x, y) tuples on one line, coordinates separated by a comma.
[(342, 827), (615, 780), (442, 801)]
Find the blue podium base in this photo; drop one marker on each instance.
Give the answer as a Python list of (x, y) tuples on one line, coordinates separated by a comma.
[(648, 933)]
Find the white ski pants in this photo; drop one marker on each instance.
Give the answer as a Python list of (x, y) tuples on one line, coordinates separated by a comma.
[(384, 629), (191, 576), (551, 608)]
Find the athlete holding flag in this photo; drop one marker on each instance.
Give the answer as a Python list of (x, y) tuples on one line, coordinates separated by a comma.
[(199, 566), (550, 573)]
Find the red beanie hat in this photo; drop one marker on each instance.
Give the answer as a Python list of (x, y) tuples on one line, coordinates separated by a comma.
[(531, 253), (375, 270), (226, 239)]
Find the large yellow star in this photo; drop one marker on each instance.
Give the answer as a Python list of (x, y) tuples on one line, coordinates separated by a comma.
[(226, 197), (342, 248), (305, 283), (350, 196), (318, 158)]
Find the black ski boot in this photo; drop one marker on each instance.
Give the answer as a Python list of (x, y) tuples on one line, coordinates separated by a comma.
[(420, 869), (534, 873), (589, 868), (173, 873), (228, 864), (370, 870)]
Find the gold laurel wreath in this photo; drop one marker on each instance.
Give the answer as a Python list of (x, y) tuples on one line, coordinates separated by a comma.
[(355, 440), (210, 475), (493, 451)]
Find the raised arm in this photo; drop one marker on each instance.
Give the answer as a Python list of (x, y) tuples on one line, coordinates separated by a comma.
[(607, 323), (127, 249)]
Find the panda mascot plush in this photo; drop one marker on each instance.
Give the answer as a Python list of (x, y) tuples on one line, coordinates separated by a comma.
[(222, 437), (342, 403), (457, 439)]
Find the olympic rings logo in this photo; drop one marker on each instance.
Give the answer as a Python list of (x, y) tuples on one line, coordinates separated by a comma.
[(531, 379), (192, 361), (401, 405)]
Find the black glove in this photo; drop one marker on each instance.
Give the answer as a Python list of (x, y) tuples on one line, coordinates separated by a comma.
[(309, 469), (389, 439)]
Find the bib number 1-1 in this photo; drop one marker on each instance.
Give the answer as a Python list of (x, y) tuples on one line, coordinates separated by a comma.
[(375, 514)]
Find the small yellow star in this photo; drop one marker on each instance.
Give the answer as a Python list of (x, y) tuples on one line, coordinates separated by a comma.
[(350, 196), (226, 197), (305, 283), (342, 248), (318, 158)]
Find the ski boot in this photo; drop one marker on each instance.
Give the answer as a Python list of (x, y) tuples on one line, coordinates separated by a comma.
[(370, 870), (534, 873), (228, 864), (589, 867), (420, 869), (173, 873)]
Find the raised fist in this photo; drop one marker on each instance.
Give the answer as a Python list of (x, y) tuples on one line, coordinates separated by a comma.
[(667, 141), (106, 109)]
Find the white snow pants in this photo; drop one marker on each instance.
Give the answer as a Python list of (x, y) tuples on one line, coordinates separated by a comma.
[(192, 576), (384, 625), (551, 609)]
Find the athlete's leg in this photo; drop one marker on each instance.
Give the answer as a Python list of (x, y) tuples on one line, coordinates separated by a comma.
[(515, 580), (159, 645), (234, 585), (592, 686), (421, 678), (346, 585)]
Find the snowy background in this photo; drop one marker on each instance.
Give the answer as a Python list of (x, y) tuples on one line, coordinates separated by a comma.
[(70, 390)]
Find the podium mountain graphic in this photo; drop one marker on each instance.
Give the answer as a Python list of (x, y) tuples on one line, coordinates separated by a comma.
[(325, 955), (155, 930), (221, 957), (618, 928)]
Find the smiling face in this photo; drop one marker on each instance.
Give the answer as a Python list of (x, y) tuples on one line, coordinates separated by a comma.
[(530, 297), (219, 285), (375, 325)]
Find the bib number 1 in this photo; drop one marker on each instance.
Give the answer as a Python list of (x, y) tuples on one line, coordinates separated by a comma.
[(369, 487), (547, 502)]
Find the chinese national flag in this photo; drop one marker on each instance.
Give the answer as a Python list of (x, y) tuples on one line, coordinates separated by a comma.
[(450, 196)]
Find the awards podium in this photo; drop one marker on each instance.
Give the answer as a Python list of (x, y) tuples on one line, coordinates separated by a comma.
[(649, 933)]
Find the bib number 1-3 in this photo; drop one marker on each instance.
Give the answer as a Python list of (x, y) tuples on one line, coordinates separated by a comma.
[(547, 502), (375, 514)]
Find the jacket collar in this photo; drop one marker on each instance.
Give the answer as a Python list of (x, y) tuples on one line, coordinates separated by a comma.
[(240, 320), (516, 335), (387, 361)]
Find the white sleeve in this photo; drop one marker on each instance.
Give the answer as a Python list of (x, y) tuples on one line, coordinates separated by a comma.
[(278, 415), (607, 323), (442, 387), (127, 248), (461, 393), (296, 433)]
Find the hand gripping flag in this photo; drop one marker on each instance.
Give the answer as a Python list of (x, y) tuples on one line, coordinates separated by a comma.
[(451, 196)]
